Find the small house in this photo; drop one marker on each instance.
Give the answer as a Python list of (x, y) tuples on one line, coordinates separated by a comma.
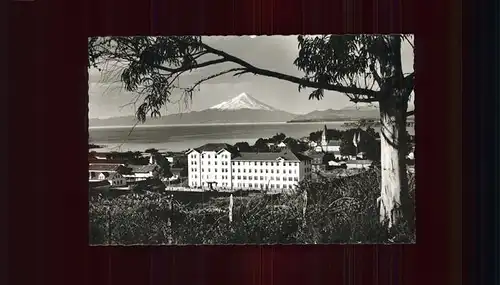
[(141, 172), (282, 145), (359, 164), (361, 155)]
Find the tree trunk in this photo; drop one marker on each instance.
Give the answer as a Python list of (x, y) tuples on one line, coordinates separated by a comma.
[(394, 184)]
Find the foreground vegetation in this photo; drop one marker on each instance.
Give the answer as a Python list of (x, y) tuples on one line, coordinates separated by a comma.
[(337, 211)]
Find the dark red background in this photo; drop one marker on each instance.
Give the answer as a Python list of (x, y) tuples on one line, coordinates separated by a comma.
[(48, 91)]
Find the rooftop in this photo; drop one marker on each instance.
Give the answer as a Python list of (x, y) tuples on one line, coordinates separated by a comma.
[(359, 161), (104, 167), (106, 161), (216, 147), (333, 143), (142, 168), (271, 156)]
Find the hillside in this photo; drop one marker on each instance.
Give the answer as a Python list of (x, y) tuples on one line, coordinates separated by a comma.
[(345, 114), (240, 109)]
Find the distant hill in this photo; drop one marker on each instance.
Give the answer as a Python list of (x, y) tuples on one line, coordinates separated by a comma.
[(240, 109), (202, 117), (345, 114)]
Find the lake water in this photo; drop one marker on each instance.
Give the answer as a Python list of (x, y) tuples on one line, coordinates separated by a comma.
[(184, 137)]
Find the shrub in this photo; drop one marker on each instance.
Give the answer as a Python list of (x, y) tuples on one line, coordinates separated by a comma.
[(338, 211)]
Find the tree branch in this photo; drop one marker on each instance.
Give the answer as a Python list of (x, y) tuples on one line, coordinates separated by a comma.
[(189, 66), (196, 84), (303, 82)]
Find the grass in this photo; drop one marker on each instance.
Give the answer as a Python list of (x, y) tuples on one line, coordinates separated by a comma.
[(337, 211)]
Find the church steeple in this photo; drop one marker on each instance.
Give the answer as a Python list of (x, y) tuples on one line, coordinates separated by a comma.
[(324, 142)]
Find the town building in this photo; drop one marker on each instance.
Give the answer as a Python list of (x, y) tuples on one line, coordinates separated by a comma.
[(108, 172), (317, 163), (327, 145), (141, 172), (221, 166), (360, 164), (282, 145)]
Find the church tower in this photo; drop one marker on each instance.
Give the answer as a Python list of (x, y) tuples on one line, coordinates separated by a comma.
[(324, 142)]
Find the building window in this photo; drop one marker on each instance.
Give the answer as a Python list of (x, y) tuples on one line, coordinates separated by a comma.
[(238, 163), (215, 177), (267, 171), (239, 177), (261, 163), (244, 177), (244, 171), (277, 178), (208, 155), (238, 170), (296, 179), (272, 171), (215, 162), (203, 170), (249, 177), (266, 163), (290, 171), (261, 171), (256, 178), (208, 170), (232, 177), (262, 178), (277, 171), (289, 178), (272, 163)]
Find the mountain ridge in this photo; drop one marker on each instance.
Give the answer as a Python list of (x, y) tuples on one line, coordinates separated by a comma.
[(243, 101)]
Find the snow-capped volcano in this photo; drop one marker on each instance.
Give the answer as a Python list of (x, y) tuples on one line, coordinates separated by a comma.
[(243, 101)]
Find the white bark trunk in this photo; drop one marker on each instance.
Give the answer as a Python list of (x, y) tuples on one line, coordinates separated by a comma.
[(394, 185)]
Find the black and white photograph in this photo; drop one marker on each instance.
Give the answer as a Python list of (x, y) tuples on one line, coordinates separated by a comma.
[(213, 140)]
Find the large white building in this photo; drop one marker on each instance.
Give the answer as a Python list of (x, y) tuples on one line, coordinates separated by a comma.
[(221, 166)]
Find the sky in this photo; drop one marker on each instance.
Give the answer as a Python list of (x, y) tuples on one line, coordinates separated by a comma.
[(107, 97)]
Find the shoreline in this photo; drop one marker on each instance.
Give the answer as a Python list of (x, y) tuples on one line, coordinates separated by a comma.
[(213, 124)]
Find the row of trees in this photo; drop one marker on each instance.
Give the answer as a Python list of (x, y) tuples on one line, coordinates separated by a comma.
[(262, 144), (366, 68)]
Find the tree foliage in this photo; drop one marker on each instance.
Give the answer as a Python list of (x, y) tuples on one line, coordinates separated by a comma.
[(315, 136), (243, 147), (338, 211), (151, 66), (366, 68)]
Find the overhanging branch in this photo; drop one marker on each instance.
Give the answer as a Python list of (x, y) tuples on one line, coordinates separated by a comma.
[(249, 68)]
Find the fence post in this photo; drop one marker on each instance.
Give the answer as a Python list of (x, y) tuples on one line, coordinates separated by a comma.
[(108, 210), (231, 208), (169, 220), (304, 208)]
